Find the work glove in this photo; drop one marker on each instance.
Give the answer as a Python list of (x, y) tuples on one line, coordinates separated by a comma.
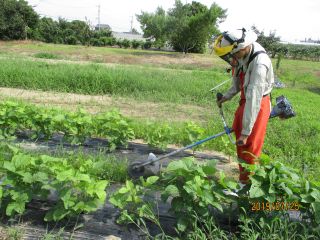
[(222, 100), (242, 140)]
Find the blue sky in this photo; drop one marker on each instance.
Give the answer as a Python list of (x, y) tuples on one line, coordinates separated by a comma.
[(292, 19)]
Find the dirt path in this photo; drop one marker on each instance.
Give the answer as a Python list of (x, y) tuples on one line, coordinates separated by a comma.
[(93, 104)]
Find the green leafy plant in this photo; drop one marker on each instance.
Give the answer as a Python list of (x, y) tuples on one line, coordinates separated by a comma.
[(272, 182), (76, 127), (25, 177), (130, 199), (193, 189), (279, 226), (114, 127), (191, 133), (159, 136)]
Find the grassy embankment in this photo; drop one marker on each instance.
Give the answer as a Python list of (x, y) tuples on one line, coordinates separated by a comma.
[(170, 78)]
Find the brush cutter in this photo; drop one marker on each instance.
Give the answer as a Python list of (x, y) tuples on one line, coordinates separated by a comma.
[(151, 166)]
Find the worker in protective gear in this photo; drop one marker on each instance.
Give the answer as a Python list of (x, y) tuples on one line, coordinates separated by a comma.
[(253, 78)]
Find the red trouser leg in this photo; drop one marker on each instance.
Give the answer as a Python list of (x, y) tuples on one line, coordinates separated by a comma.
[(254, 144)]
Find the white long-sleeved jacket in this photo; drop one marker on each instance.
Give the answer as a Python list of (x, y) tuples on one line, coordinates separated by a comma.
[(258, 82)]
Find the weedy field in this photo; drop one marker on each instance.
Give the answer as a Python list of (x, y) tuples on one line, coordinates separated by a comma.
[(160, 98)]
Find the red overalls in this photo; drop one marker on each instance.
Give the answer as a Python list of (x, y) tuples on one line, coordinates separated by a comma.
[(255, 140)]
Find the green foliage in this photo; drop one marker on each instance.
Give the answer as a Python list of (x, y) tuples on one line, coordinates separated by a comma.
[(190, 186), (46, 55), (75, 126), (154, 26), (186, 27), (274, 182), (25, 177), (47, 31), (193, 189), (277, 227), (295, 51), (108, 41), (114, 127), (191, 133), (147, 44), (191, 25), (15, 19), (136, 44), (159, 135), (135, 208)]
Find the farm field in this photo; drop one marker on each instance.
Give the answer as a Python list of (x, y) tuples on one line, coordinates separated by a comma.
[(175, 86), (157, 98)]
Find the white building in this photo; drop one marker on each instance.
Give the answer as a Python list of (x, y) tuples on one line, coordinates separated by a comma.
[(128, 36)]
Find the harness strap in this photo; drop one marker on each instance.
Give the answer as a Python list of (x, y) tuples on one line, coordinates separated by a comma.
[(253, 55)]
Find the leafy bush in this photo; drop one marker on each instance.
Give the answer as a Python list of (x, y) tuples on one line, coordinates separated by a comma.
[(25, 177), (71, 40), (124, 43), (159, 136), (191, 133), (97, 42), (136, 44), (114, 127), (147, 44)]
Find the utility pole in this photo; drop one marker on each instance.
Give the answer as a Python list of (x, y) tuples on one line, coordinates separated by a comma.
[(99, 17), (131, 24)]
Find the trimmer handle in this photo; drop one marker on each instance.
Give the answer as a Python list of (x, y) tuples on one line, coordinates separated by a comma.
[(219, 97)]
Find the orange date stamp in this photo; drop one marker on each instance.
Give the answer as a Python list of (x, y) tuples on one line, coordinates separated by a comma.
[(275, 206)]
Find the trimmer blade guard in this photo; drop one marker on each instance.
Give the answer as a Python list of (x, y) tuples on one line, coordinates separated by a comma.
[(136, 171)]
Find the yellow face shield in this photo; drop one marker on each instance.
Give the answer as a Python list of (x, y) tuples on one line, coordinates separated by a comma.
[(221, 51), (225, 52)]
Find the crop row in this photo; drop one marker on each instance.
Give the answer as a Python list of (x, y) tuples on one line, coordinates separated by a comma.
[(76, 127), (25, 177), (193, 188)]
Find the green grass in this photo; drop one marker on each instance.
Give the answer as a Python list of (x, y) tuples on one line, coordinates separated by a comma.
[(46, 55), (144, 83)]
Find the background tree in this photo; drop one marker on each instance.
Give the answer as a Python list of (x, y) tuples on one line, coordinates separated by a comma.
[(154, 26), (186, 27), (47, 31), (271, 42), (191, 25), (16, 17), (81, 31)]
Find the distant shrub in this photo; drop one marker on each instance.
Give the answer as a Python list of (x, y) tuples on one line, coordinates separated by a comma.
[(71, 40), (136, 44), (147, 44), (126, 43), (96, 42)]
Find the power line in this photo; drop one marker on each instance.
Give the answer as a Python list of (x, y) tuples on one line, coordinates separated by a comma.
[(64, 6)]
